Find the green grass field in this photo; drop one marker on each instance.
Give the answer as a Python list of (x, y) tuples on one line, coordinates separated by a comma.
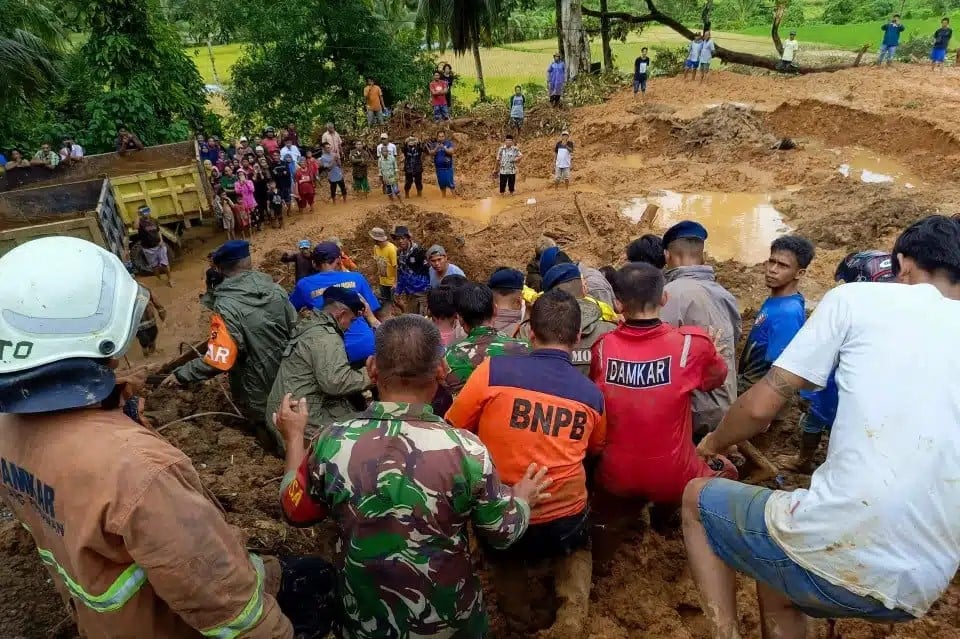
[(505, 67), (854, 36)]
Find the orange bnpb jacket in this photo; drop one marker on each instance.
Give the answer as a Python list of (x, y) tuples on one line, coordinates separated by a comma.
[(535, 408)]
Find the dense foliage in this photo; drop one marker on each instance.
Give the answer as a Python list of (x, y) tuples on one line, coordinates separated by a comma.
[(308, 62), (130, 71)]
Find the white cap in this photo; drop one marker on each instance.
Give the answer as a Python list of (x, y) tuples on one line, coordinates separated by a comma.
[(47, 317), (384, 136), (243, 138)]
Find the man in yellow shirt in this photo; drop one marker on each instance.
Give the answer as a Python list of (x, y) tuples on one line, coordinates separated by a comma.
[(373, 95), (385, 254)]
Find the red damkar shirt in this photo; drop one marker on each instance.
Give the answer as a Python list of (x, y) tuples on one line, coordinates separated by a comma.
[(647, 373)]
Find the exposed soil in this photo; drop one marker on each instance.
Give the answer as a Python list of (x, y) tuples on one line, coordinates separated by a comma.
[(682, 140)]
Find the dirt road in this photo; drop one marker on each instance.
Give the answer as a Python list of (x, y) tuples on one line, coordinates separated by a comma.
[(877, 149)]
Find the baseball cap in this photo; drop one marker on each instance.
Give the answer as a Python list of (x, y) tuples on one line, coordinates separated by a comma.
[(384, 136), (865, 266), (303, 244), (144, 210), (231, 251), (436, 249), (687, 229), (793, 33), (378, 234), (565, 132), (326, 252), (350, 299), (509, 279), (559, 274), (243, 138), (259, 148), (401, 231)]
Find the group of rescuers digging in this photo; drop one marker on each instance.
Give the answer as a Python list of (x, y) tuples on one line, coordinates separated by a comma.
[(570, 403)]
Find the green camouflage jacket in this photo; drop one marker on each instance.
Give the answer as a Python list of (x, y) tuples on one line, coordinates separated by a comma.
[(252, 322), (315, 366), (482, 342), (402, 485)]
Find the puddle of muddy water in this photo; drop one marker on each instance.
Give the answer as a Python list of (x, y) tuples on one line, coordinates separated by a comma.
[(741, 225), (481, 210), (871, 168)]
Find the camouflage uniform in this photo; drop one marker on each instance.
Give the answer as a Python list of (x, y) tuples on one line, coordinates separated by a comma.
[(482, 342), (402, 485), (315, 366)]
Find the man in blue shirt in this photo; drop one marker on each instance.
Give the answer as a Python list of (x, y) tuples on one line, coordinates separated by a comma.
[(866, 266), (440, 266), (782, 314), (308, 293), (891, 40)]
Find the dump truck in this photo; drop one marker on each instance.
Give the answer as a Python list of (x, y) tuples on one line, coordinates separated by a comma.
[(98, 199)]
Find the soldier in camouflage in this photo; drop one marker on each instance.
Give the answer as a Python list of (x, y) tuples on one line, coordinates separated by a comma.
[(476, 310), (402, 486), (315, 366)]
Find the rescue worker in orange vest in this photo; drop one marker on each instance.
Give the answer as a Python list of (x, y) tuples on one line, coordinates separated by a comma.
[(132, 541), (251, 324)]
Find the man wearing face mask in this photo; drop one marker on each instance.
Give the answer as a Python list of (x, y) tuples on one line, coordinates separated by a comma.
[(315, 364), (118, 515)]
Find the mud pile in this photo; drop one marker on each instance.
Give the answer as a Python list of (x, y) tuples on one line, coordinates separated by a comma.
[(727, 124)]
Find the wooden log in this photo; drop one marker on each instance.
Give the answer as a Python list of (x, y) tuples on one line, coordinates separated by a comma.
[(768, 470), (649, 214), (176, 362), (586, 222)]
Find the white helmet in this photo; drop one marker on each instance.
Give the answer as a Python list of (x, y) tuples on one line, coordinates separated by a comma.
[(63, 298)]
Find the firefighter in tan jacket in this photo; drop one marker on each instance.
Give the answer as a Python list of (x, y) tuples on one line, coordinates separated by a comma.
[(133, 543)]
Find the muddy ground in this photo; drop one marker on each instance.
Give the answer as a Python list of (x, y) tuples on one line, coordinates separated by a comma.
[(706, 147)]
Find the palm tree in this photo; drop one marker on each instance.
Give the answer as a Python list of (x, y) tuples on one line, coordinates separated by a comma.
[(31, 41), (465, 24)]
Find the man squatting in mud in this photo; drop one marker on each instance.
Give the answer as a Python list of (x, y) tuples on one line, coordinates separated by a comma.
[(874, 537)]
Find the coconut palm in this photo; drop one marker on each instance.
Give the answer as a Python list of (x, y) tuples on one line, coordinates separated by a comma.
[(464, 24), (31, 40)]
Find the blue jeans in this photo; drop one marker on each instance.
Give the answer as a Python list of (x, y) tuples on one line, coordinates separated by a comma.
[(886, 51), (440, 112), (640, 83), (733, 517)]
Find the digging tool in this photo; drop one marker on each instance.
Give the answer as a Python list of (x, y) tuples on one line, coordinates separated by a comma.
[(586, 222), (768, 469)]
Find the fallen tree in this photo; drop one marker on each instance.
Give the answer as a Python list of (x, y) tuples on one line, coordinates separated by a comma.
[(727, 55)]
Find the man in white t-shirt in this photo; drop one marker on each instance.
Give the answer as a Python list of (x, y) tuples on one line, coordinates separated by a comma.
[(876, 536), (707, 51), (564, 152), (789, 55)]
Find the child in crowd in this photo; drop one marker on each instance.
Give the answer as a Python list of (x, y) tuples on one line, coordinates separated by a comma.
[(305, 189), (443, 312), (274, 204), (564, 153), (227, 216), (388, 171), (245, 199)]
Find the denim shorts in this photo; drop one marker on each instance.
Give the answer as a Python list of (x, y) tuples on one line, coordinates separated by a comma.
[(733, 516)]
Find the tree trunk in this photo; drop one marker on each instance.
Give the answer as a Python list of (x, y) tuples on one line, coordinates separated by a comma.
[(479, 65), (575, 42), (778, 12), (605, 36), (213, 62), (559, 8)]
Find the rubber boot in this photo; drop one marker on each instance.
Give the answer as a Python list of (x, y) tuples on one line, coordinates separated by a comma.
[(573, 575)]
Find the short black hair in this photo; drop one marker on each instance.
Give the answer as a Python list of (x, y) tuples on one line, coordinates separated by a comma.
[(610, 274), (407, 349), (642, 49), (454, 281), (508, 137), (934, 244), (801, 247), (686, 246), (440, 302), (639, 286), (474, 304), (648, 249), (555, 318), (896, 15)]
